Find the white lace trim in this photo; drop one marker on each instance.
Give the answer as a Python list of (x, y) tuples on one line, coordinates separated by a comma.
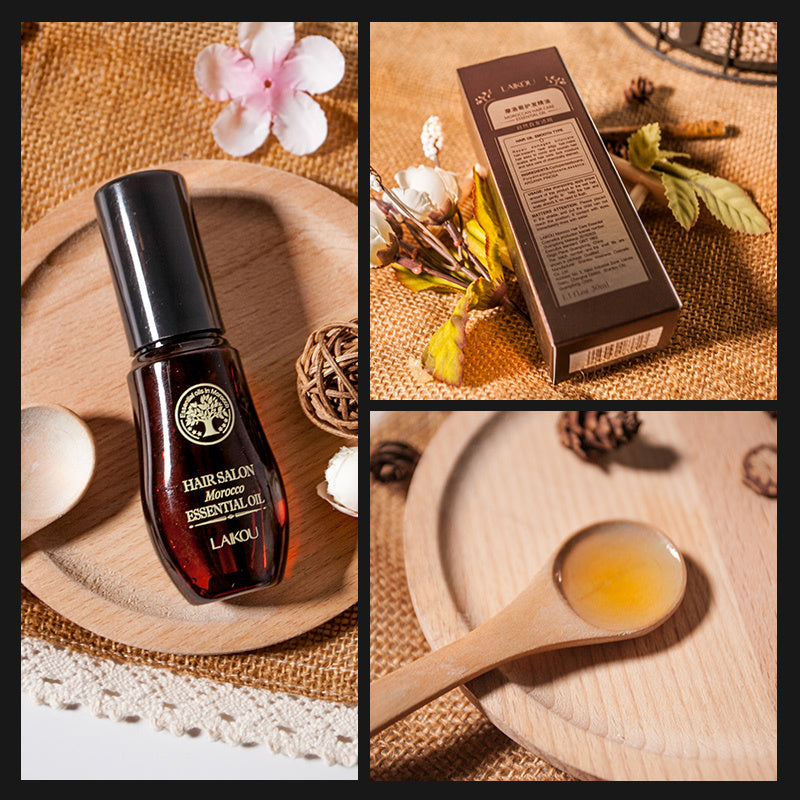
[(295, 726)]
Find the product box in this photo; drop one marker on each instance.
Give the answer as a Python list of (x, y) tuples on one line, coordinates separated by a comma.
[(595, 287)]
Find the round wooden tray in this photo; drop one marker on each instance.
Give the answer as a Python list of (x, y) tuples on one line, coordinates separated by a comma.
[(282, 252), (496, 493)]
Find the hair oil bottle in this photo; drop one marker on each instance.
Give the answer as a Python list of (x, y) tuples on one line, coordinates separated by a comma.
[(211, 492)]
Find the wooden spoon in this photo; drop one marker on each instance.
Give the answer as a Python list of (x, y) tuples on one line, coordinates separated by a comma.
[(57, 463), (611, 581)]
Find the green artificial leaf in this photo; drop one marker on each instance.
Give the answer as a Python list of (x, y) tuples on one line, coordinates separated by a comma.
[(494, 259), (424, 281), (664, 155), (643, 146), (443, 357), (487, 218), (484, 209), (475, 237), (486, 294), (682, 200), (476, 241), (729, 203)]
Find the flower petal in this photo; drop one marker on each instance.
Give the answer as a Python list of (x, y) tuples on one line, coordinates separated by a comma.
[(417, 202), (223, 73), (299, 123), (429, 192), (315, 65), (382, 241), (268, 44), (242, 126)]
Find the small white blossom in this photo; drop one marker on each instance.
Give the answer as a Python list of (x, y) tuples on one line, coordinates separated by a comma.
[(432, 138), (340, 487)]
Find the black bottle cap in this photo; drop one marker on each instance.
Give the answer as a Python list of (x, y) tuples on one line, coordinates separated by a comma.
[(157, 261)]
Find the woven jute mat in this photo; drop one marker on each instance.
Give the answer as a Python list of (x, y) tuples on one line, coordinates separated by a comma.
[(102, 98), (725, 346), (448, 739)]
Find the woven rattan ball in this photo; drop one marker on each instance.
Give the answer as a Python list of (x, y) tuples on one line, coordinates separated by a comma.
[(327, 378)]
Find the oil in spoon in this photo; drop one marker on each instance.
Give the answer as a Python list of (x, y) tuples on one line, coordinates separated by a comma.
[(622, 576)]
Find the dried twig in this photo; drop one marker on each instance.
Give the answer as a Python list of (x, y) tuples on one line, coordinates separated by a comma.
[(637, 176), (705, 129)]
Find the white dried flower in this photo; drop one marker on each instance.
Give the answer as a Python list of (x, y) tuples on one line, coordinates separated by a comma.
[(383, 244), (340, 487), (432, 138), (427, 192)]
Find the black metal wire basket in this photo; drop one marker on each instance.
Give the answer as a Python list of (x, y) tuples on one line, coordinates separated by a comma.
[(738, 51)]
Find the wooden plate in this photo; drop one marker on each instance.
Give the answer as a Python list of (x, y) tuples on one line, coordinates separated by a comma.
[(282, 252), (496, 493)]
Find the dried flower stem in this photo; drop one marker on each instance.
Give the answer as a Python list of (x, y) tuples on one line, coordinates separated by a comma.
[(413, 262), (458, 241)]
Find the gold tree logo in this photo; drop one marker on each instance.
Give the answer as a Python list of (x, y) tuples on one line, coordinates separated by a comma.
[(204, 414)]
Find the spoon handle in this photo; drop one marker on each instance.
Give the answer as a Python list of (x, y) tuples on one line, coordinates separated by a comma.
[(406, 689), (538, 619), (522, 627)]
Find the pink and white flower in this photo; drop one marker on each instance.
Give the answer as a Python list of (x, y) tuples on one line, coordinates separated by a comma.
[(267, 83)]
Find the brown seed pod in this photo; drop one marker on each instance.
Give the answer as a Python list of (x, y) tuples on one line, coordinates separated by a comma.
[(590, 434), (760, 469), (393, 462)]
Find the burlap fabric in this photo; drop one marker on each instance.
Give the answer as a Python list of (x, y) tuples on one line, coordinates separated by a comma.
[(725, 346), (448, 739), (102, 98)]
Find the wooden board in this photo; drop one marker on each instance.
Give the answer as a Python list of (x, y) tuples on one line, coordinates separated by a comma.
[(495, 493), (282, 252)]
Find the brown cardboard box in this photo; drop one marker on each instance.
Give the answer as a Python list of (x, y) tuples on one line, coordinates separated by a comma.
[(595, 288)]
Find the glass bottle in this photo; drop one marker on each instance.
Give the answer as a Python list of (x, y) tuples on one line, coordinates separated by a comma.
[(211, 491)]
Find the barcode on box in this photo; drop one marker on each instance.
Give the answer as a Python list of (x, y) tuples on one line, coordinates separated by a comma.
[(610, 351)]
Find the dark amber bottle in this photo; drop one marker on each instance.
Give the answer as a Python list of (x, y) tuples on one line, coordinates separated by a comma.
[(212, 494)]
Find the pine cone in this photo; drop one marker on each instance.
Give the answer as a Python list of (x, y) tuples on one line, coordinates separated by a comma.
[(639, 91), (617, 147), (392, 462), (760, 469), (590, 434)]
